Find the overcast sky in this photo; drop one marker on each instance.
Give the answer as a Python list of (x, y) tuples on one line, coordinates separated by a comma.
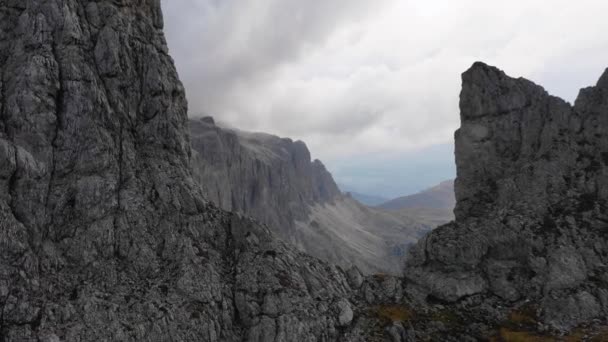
[(372, 85)]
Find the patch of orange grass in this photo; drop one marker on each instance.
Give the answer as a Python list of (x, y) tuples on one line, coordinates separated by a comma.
[(508, 335), (380, 276), (394, 313), (522, 317), (599, 336)]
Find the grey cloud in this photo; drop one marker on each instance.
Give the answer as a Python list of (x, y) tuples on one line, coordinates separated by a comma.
[(354, 78), (222, 45)]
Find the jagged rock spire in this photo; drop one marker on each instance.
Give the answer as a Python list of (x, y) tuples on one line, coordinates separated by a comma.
[(531, 201)]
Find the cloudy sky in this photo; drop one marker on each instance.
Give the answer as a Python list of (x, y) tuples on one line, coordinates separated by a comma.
[(372, 85)]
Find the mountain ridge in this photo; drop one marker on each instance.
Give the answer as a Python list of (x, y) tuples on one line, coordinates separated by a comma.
[(275, 181), (370, 200), (104, 234), (530, 198), (440, 196)]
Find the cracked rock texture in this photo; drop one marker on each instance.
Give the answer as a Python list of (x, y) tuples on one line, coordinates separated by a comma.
[(532, 189), (104, 234), (274, 180)]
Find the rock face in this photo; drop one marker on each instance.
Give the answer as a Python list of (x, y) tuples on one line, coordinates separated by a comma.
[(531, 215), (267, 177), (274, 180), (104, 234)]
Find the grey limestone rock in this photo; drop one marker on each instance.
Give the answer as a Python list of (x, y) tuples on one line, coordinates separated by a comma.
[(355, 278), (531, 196), (345, 313), (104, 234)]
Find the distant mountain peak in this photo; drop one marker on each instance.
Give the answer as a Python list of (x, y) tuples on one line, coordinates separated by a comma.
[(274, 180), (440, 196), (366, 199)]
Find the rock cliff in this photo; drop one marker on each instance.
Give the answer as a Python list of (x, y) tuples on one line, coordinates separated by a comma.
[(274, 180), (104, 234), (531, 215)]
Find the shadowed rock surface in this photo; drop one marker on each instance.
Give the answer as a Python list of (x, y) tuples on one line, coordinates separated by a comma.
[(274, 180)]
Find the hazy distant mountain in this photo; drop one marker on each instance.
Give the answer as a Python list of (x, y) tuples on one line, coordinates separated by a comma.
[(370, 200), (440, 196), (274, 180)]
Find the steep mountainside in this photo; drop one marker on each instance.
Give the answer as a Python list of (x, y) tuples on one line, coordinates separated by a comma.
[(104, 235), (274, 180), (267, 177), (440, 196)]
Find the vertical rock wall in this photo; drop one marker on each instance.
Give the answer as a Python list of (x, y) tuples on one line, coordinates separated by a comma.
[(103, 233), (531, 213)]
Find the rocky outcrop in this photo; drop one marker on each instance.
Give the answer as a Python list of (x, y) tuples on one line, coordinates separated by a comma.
[(104, 234), (531, 192), (274, 180)]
